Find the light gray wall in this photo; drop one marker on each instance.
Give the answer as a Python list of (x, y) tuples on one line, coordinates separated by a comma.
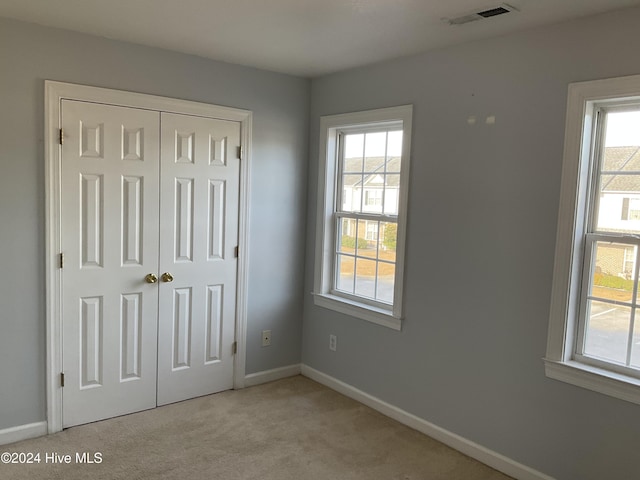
[(29, 54), (481, 235)]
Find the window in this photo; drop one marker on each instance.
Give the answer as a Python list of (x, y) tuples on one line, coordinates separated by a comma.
[(373, 197), (372, 232), (629, 263), (630, 208), (362, 200), (594, 327)]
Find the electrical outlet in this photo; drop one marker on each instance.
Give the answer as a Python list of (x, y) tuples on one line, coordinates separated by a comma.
[(333, 342), (266, 338)]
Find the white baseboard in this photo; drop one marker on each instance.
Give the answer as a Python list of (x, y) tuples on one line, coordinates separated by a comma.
[(22, 432), (271, 375), (488, 457)]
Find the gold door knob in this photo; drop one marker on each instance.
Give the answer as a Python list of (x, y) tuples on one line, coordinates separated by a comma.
[(151, 278), (167, 277)]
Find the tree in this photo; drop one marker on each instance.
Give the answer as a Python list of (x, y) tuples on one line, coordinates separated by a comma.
[(390, 235)]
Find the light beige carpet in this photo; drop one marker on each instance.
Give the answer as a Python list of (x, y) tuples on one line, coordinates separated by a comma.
[(292, 429)]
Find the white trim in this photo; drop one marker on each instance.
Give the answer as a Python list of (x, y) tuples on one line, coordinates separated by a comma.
[(583, 99), (330, 126), (482, 454), (359, 310), (55, 92), (265, 376), (53, 274), (22, 432), (243, 251), (595, 379)]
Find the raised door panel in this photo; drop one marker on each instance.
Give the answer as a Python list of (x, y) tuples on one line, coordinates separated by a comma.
[(183, 223), (131, 336), (110, 223), (132, 219), (91, 220)]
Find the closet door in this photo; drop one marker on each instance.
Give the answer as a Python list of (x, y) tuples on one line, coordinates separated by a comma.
[(110, 223), (199, 232)]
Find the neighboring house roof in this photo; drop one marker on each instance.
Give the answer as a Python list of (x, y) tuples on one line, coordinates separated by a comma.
[(621, 159), (373, 167)]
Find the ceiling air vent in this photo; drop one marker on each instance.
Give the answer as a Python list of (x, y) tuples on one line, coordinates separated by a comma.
[(487, 13)]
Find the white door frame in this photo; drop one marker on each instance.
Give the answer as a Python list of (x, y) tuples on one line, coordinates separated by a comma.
[(55, 92)]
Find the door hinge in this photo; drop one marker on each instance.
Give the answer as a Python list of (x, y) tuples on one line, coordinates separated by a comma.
[(61, 138), (240, 152), (61, 379), (61, 260), (234, 347), (236, 251)]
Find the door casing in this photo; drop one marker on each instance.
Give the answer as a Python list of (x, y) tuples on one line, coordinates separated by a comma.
[(55, 92)]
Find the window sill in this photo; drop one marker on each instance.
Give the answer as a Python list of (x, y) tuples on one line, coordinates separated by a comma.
[(358, 310), (595, 379)]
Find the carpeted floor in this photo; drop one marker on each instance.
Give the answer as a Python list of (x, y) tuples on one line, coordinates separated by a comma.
[(292, 429)]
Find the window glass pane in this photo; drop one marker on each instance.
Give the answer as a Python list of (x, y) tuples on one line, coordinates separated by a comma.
[(394, 152), (347, 237), (375, 152), (613, 272), (352, 193), (367, 239), (393, 165), (386, 276), (623, 128), (391, 194), (394, 147), (619, 200), (619, 204), (375, 145), (366, 247), (388, 239), (365, 277), (353, 152), (607, 331), (374, 164), (352, 165), (344, 273)]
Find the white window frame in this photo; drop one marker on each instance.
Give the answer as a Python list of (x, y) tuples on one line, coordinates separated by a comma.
[(330, 128), (561, 361)]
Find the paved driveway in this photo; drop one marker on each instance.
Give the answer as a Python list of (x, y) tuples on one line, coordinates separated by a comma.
[(609, 333)]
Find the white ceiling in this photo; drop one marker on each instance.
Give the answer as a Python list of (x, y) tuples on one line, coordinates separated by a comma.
[(300, 37)]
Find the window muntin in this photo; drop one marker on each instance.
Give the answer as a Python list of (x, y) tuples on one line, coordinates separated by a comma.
[(366, 213), (609, 311)]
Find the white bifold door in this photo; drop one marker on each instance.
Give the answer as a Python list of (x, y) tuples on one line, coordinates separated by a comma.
[(149, 208)]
